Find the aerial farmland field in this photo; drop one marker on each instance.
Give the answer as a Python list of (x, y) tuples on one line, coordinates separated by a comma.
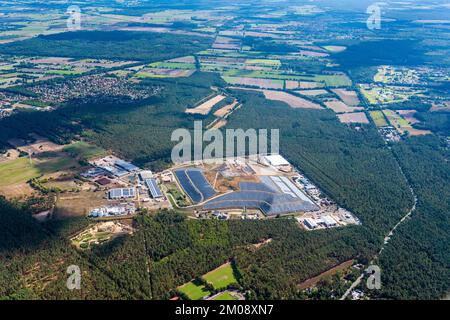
[(17, 171), (340, 107), (356, 117), (84, 150), (264, 62), (255, 82), (193, 291), (349, 97), (378, 118), (402, 125), (221, 277), (291, 100)]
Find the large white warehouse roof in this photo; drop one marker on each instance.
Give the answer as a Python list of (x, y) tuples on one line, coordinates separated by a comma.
[(277, 160)]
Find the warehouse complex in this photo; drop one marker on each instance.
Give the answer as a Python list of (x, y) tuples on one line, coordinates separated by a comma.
[(260, 187)]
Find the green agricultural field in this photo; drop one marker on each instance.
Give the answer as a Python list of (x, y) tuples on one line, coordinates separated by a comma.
[(264, 62), (221, 277), (402, 125), (6, 67), (64, 72), (225, 296), (143, 74), (274, 74), (9, 75), (251, 82), (222, 53), (335, 49), (378, 118), (17, 171), (20, 170), (36, 103), (338, 80), (193, 291), (54, 164), (172, 65), (84, 150), (370, 95)]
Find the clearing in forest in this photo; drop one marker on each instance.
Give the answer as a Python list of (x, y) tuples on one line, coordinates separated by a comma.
[(194, 291), (225, 110), (206, 107), (221, 277)]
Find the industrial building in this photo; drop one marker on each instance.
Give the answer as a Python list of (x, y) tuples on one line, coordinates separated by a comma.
[(111, 211), (310, 223), (93, 173), (115, 166), (122, 193), (329, 221), (145, 174), (115, 171), (278, 162), (126, 166), (152, 186)]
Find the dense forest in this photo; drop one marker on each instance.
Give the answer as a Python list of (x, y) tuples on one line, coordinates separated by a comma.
[(173, 249), (124, 45), (374, 53), (416, 264), (35, 258), (435, 121)]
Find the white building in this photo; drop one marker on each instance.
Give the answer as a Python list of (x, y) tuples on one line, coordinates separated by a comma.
[(145, 174), (278, 162), (310, 223), (329, 221)]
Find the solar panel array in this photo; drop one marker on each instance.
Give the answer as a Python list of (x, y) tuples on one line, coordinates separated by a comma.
[(200, 182), (152, 185), (122, 193), (296, 190), (195, 184), (263, 196), (187, 186), (255, 186), (269, 183), (283, 187)]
